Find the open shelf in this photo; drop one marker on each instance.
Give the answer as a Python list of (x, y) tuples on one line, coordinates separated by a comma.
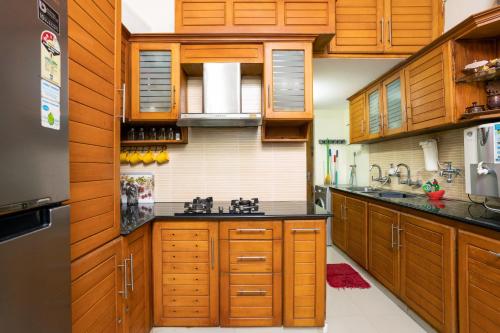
[(487, 114), (491, 74), (285, 131), (147, 127)]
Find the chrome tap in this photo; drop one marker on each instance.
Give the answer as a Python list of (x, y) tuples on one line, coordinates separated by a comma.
[(449, 172), (408, 180), (383, 180)]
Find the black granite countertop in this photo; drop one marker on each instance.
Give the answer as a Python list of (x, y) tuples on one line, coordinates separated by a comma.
[(463, 211), (133, 217)]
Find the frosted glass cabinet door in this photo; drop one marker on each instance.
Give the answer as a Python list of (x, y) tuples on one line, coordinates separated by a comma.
[(394, 105), (288, 80), (155, 81), (374, 110)]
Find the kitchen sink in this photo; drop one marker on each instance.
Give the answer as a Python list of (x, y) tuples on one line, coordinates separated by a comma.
[(396, 195), (364, 189)]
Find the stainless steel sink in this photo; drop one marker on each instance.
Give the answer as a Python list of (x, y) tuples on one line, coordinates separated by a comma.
[(364, 189), (390, 194)]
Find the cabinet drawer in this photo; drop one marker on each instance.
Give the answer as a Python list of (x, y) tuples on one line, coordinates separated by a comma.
[(251, 301), (251, 230), (251, 290), (185, 278), (185, 257), (253, 312), (251, 262), (184, 235), (185, 312), (185, 290), (185, 268), (251, 279), (185, 301), (242, 246), (194, 246)]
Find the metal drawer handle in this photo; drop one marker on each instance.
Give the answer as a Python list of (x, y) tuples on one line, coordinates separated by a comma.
[(252, 292), (250, 230), (251, 258), (393, 227), (306, 230), (124, 292), (496, 254), (131, 284)]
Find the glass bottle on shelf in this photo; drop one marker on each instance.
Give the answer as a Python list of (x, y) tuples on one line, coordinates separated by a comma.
[(140, 136), (178, 135), (163, 134), (152, 134), (170, 135), (131, 134)]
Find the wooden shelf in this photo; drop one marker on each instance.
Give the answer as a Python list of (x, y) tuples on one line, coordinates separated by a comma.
[(285, 131), (488, 75), (151, 142), (488, 114)]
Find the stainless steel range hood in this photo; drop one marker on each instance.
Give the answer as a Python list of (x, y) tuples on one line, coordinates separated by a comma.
[(221, 99)]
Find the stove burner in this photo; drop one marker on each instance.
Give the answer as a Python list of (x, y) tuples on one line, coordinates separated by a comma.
[(242, 206), (199, 206), (239, 206)]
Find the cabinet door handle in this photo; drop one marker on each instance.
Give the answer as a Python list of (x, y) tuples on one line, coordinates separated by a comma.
[(251, 258), (131, 272), (382, 30), (389, 26), (124, 101), (268, 96), (399, 236), (392, 235), (341, 211), (345, 213), (496, 254), (124, 292), (173, 96), (306, 229), (252, 292), (212, 253), (250, 230)]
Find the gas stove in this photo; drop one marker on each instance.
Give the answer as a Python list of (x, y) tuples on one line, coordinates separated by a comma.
[(204, 206)]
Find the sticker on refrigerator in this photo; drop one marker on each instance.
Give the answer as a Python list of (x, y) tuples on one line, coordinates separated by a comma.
[(50, 57), (50, 106), (48, 15)]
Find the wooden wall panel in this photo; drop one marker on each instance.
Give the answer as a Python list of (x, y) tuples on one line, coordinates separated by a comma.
[(94, 65)]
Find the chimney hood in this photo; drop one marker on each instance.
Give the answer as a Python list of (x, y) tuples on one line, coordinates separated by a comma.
[(221, 99)]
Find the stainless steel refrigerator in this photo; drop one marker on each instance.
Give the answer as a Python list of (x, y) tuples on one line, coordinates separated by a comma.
[(34, 168)]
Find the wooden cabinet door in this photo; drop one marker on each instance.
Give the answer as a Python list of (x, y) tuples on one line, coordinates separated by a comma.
[(137, 253), (479, 283), (304, 273), (357, 118), (357, 230), (185, 273), (358, 27), (339, 228), (383, 252), (97, 287), (429, 82), (155, 81), (288, 81), (428, 270), (411, 24), (374, 112), (94, 127), (251, 273), (394, 104)]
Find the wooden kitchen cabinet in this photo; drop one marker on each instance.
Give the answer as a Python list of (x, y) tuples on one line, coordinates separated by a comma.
[(304, 273), (357, 118), (394, 104), (383, 250), (385, 26), (339, 225), (374, 111), (356, 212), (97, 290), (155, 81), (428, 283), (185, 273), (429, 83), (137, 254), (288, 81), (251, 273), (479, 283)]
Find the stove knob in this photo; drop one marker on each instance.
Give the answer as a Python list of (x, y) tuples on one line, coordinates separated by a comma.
[(221, 210)]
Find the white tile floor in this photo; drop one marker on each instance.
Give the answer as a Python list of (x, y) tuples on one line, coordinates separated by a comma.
[(347, 311)]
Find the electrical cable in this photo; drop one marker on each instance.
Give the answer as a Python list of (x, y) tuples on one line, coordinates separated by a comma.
[(476, 202)]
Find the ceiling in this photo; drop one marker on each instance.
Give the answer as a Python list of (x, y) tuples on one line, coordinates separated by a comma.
[(337, 79)]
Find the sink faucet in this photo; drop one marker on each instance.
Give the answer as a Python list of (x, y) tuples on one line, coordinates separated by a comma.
[(449, 172), (380, 179), (408, 180)]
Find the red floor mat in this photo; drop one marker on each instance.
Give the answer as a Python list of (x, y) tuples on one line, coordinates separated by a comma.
[(344, 276)]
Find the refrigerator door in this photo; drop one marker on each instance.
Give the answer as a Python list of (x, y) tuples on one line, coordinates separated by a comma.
[(34, 166), (35, 272)]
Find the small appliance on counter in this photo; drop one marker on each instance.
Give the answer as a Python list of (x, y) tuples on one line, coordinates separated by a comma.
[(199, 206)]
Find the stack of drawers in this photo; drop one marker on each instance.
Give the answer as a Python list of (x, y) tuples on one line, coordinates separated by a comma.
[(188, 260), (250, 273)]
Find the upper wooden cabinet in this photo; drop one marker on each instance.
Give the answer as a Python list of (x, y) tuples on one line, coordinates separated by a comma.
[(385, 26), (254, 16), (288, 80), (155, 81), (374, 112), (357, 118), (429, 84)]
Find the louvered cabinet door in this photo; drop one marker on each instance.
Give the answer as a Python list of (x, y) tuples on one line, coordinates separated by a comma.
[(359, 27), (383, 252), (412, 24), (357, 118), (339, 231), (394, 109), (304, 273), (479, 283), (428, 270), (429, 92), (374, 111), (357, 230), (288, 80), (155, 81)]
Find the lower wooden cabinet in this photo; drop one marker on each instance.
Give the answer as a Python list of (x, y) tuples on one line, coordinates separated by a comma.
[(428, 270), (97, 289), (479, 283), (357, 233), (250, 278), (304, 273), (339, 225), (137, 256), (185, 273)]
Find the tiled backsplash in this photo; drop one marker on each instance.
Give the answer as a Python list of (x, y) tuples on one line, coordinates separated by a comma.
[(408, 151), (228, 163)]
